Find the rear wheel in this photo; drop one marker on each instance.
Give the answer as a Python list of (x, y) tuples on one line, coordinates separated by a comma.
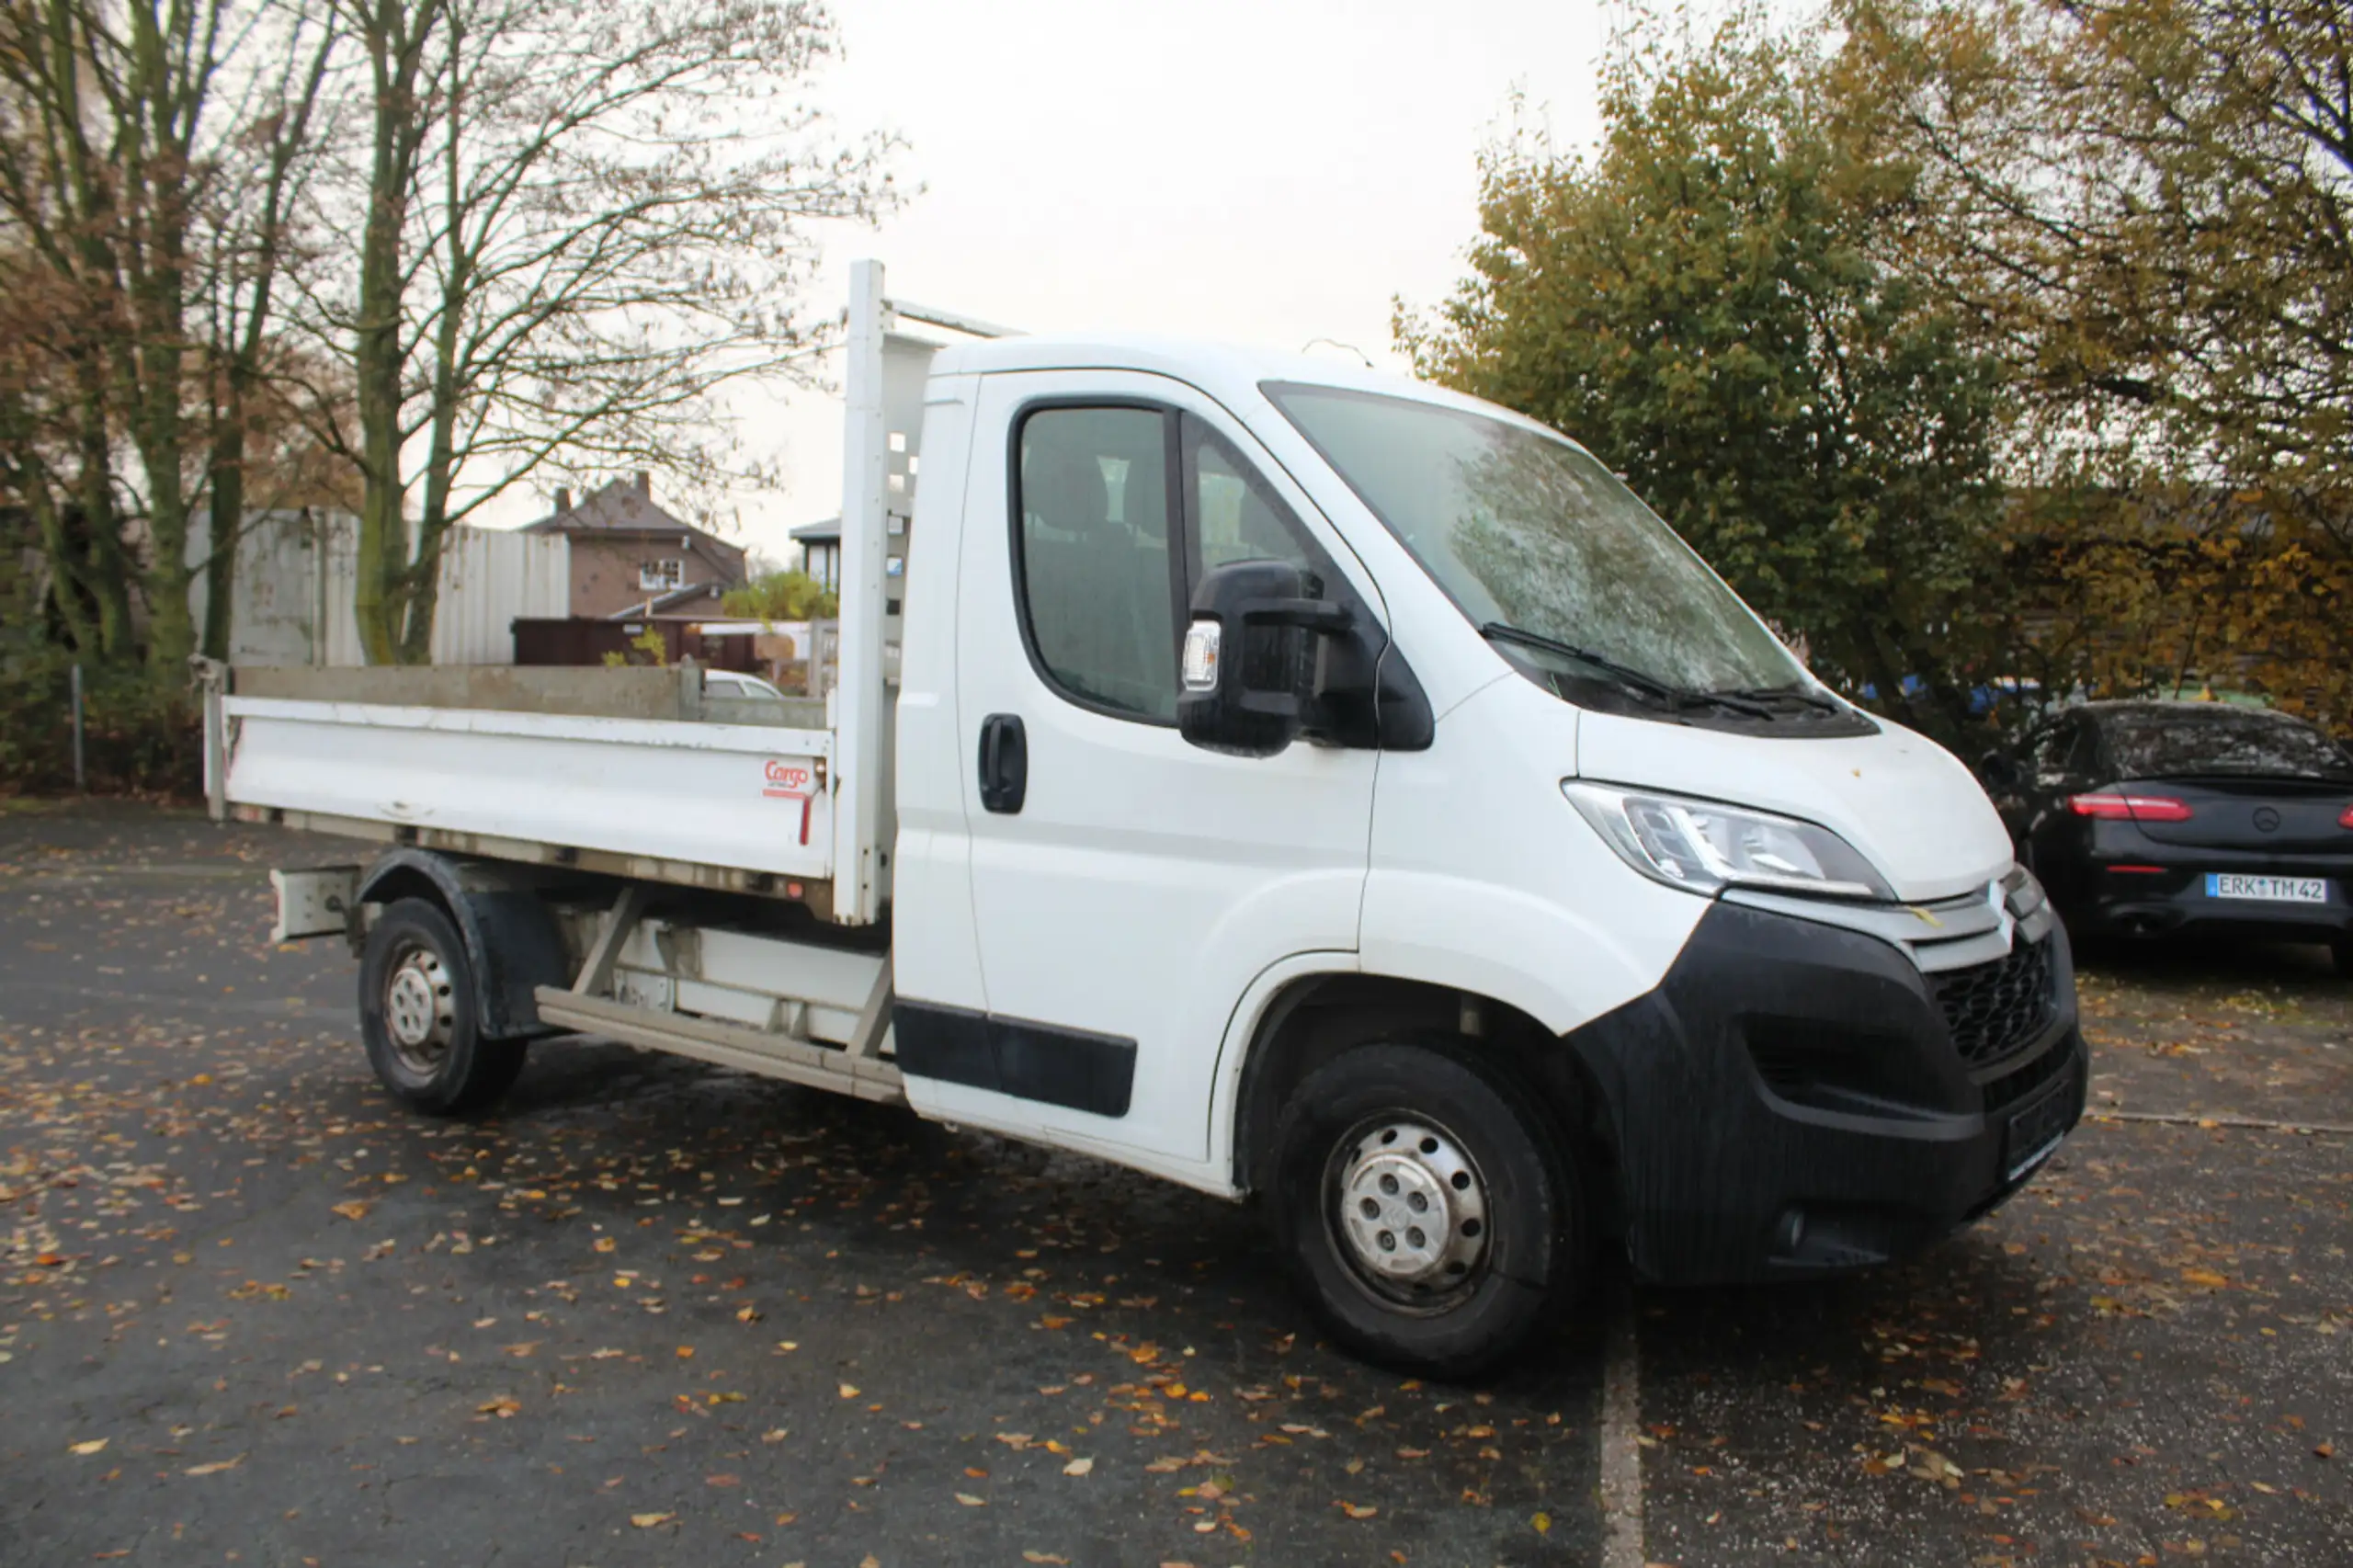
[(2343, 947), (416, 1015), (1425, 1210)]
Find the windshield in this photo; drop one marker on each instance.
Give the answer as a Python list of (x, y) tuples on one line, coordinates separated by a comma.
[(2175, 741), (1528, 533)]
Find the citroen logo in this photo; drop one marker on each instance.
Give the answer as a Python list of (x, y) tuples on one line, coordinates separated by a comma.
[(2266, 820)]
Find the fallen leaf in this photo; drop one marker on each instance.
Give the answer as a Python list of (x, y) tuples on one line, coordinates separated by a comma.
[(354, 1210), (1542, 1521), (606, 1244), (1042, 1557), (504, 1406), (850, 1391), (215, 1467), (92, 1447), (2205, 1276), (647, 1521), (970, 1500), (1358, 1510), (1078, 1467)]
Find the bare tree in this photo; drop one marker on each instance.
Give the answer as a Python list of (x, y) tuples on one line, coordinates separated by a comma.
[(150, 154), (578, 220)]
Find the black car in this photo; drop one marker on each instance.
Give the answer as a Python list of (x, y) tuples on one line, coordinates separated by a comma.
[(2148, 817)]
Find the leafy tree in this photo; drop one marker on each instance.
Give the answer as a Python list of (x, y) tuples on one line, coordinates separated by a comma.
[(790, 595), (1705, 303), (2146, 208)]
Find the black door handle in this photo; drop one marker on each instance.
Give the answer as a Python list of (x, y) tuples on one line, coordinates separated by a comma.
[(1005, 763)]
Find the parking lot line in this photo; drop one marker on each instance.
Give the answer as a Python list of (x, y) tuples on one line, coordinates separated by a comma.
[(2194, 1118), (1621, 1454)]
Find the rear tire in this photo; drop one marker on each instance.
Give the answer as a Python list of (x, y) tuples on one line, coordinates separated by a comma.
[(1424, 1207), (2343, 947), (417, 1019)]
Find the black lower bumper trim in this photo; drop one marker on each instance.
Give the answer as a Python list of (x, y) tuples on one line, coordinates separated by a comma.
[(1788, 1101)]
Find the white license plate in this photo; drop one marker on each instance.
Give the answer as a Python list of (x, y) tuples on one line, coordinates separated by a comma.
[(2268, 889)]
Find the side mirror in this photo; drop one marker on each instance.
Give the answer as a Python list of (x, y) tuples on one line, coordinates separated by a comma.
[(2000, 769), (1247, 679)]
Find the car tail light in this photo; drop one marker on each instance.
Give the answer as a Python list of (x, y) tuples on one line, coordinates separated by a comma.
[(2113, 806), (2344, 817)]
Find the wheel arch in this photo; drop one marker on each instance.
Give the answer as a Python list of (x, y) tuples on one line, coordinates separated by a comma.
[(1314, 1017), (513, 944)]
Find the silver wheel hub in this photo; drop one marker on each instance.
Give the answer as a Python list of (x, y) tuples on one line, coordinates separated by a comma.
[(419, 1011), (1410, 1205)]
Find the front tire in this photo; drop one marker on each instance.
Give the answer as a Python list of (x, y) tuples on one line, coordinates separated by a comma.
[(1424, 1207), (417, 1019)]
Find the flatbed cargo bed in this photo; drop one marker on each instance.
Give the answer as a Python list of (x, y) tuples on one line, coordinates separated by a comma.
[(629, 772)]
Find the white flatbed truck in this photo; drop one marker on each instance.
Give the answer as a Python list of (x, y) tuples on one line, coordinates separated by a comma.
[(1280, 777)]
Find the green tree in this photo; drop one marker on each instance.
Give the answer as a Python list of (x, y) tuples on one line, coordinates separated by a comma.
[(2146, 208), (1706, 303), (790, 595)]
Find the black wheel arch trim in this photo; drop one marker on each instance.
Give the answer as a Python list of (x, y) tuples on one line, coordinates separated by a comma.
[(513, 946)]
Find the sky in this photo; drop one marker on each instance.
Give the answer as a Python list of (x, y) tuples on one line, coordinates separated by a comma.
[(1268, 173)]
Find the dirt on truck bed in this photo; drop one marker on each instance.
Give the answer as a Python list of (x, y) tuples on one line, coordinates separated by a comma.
[(657, 1313)]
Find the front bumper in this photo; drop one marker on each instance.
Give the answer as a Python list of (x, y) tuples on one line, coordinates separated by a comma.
[(1791, 1100)]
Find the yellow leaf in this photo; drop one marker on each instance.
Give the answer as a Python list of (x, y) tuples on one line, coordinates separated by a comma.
[(354, 1210), (647, 1521), (216, 1467), (1542, 1521), (1078, 1467), (970, 1500), (850, 1391), (2205, 1276), (1358, 1510), (92, 1447), (606, 1244)]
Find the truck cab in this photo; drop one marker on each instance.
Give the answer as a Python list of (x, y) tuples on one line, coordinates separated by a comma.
[(1315, 786)]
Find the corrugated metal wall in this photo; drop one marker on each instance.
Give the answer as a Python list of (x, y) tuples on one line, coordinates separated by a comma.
[(296, 572)]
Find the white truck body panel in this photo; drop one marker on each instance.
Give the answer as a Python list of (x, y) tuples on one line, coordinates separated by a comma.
[(1144, 882), (736, 795)]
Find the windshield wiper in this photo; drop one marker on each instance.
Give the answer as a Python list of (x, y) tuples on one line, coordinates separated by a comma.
[(1820, 701), (1625, 675)]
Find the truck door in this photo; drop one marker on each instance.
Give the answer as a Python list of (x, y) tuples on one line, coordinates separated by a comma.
[(1126, 886)]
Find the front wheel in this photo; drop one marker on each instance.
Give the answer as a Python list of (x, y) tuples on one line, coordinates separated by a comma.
[(416, 1015), (1426, 1215)]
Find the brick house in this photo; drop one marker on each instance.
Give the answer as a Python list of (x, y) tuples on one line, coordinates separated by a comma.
[(631, 558)]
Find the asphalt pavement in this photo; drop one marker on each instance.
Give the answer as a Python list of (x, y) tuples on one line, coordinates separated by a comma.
[(653, 1311)]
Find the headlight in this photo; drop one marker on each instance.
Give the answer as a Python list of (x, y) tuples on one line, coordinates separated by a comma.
[(1704, 847)]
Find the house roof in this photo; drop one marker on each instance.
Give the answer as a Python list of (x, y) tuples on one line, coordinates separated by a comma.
[(825, 531), (623, 506)]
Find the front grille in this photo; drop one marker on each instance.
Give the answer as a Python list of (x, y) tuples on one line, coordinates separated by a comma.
[(1992, 1009)]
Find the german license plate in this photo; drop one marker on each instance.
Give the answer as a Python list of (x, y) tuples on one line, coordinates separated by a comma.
[(2268, 889), (2036, 1129)]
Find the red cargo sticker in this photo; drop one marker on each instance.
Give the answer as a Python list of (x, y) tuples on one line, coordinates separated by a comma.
[(790, 782)]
